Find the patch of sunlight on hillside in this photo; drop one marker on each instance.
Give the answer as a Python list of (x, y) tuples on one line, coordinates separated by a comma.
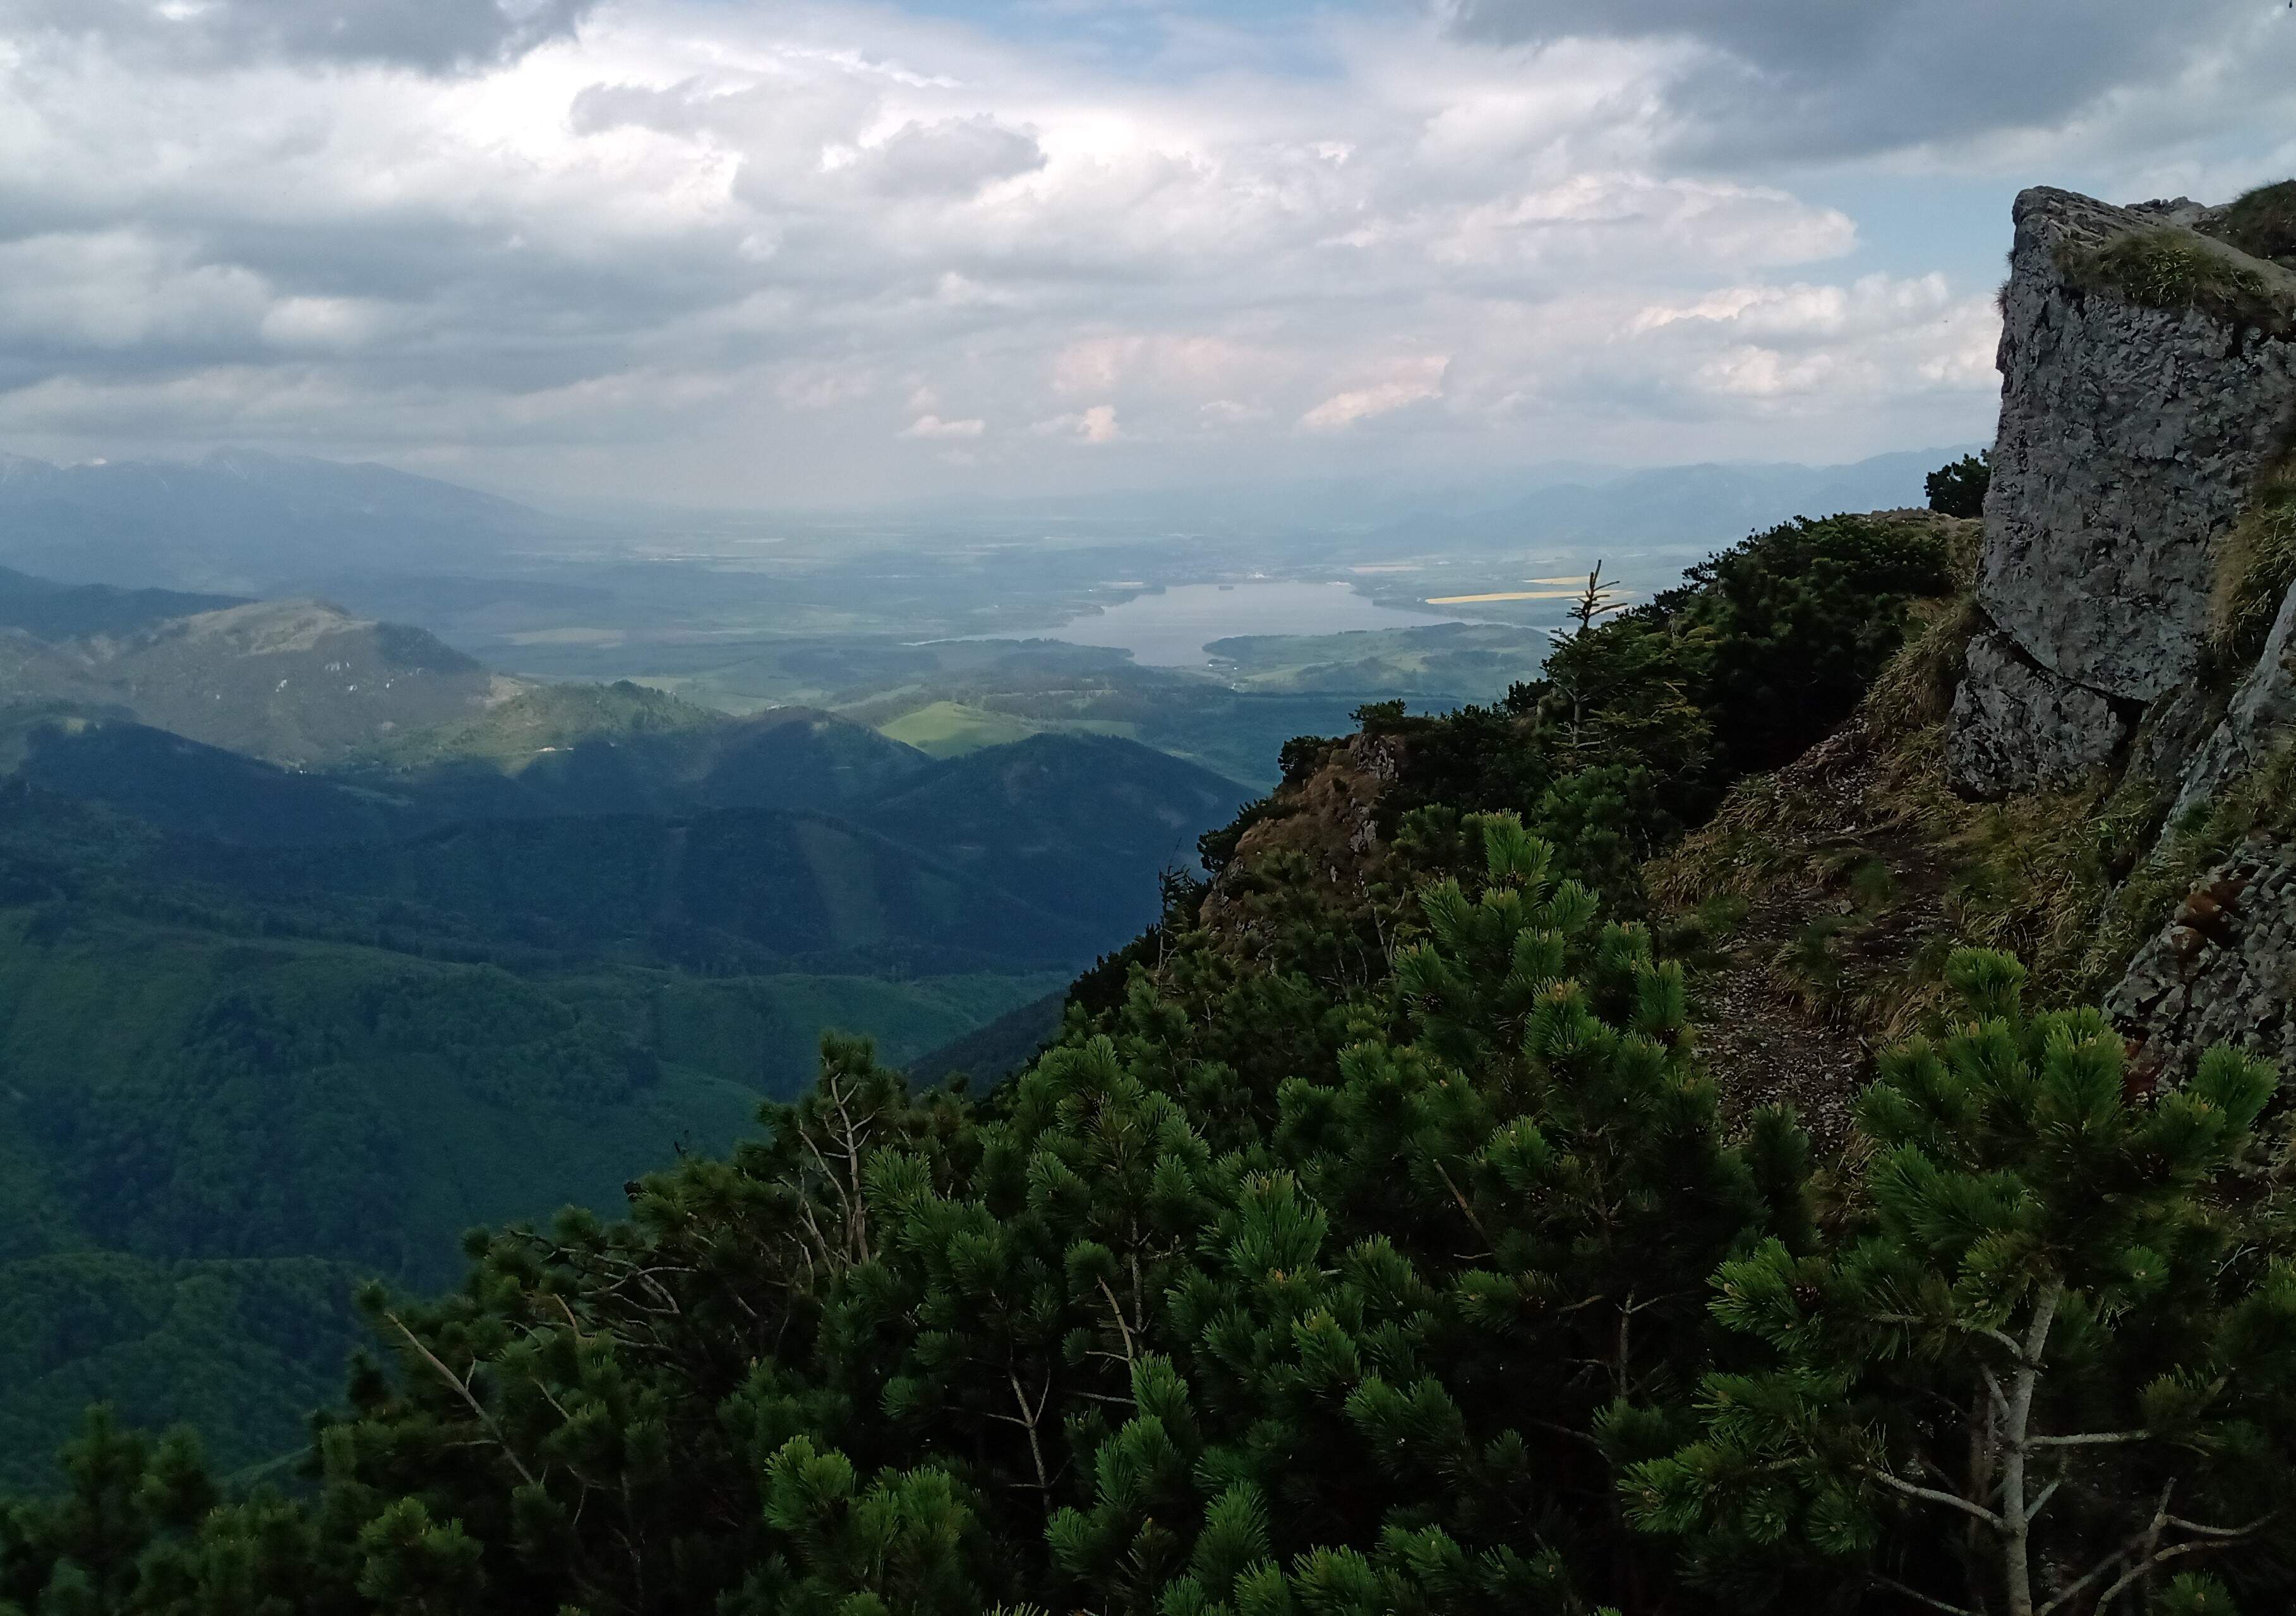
[(950, 729)]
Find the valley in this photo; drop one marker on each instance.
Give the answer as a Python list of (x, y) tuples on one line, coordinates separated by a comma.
[(449, 894), (321, 942)]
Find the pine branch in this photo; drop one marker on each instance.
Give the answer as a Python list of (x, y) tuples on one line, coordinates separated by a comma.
[(1491, 1245), (1896, 1586), (1117, 1308), (463, 1388), (1932, 1496)]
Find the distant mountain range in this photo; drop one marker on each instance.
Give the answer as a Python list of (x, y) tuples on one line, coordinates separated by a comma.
[(298, 682), (785, 834), (1698, 502), (253, 523), (248, 522), (1698, 506)]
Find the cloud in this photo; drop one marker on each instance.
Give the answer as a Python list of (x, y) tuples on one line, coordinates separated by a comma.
[(766, 252), (1827, 78), (1096, 425), (934, 426), (1797, 348), (434, 36), (954, 157), (1414, 382)]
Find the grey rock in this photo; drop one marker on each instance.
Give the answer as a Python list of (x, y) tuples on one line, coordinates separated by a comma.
[(2261, 718), (2017, 726), (2129, 439), (2221, 972), (2175, 731)]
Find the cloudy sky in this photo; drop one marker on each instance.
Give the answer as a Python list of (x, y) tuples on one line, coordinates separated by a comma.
[(747, 250)]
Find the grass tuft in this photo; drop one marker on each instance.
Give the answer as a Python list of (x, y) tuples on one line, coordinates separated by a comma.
[(2255, 569), (2172, 268), (2262, 223)]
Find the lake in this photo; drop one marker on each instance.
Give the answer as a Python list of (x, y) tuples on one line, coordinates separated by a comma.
[(1171, 628)]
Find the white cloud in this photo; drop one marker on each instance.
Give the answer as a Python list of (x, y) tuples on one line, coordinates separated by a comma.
[(1414, 382), (951, 158), (1096, 425), (934, 426), (723, 240)]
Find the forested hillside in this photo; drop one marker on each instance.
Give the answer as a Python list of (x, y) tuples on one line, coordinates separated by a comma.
[(285, 1014), (227, 1103)]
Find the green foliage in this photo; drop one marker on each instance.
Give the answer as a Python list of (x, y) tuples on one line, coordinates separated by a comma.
[(1249, 1298), (1170, 1322), (211, 1135), (1803, 617), (1643, 719), (1351, 1248), (1957, 488), (2055, 1352)]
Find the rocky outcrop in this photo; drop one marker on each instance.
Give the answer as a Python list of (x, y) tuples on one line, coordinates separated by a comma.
[(2017, 725), (2221, 972), (2262, 716), (2132, 435), (2148, 397), (1328, 821)]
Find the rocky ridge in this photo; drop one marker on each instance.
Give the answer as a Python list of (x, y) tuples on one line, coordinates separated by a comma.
[(2133, 432), (2148, 399)]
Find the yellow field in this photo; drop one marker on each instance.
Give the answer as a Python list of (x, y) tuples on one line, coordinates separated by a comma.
[(1503, 594)]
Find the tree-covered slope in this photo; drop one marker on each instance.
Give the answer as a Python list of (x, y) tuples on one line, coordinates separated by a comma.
[(1383, 1231), (188, 787), (733, 888), (49, 611), (211, 1135), (1051, 816), (1452, 1293), (622, 747)]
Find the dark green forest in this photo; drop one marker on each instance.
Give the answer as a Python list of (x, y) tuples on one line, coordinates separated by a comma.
[(1363, 1241)]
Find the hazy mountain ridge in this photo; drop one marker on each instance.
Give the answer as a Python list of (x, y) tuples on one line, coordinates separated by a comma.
[(625, 748), (247, 521), (49, 611)]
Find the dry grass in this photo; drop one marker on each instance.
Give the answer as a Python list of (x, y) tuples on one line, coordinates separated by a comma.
[(2255, 568), (1862, 869), (2172, 268)]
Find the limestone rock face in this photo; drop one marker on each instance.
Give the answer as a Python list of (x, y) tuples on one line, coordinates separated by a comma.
[(2221, 972), (2130, 438), (2262, 715), (2016, 724)]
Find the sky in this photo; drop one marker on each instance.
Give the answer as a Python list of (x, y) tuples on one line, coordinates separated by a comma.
[(727, 253)]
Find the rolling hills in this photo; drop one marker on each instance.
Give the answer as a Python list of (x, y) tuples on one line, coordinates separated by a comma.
[(245, 522), (296, 682), (321, 942)]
